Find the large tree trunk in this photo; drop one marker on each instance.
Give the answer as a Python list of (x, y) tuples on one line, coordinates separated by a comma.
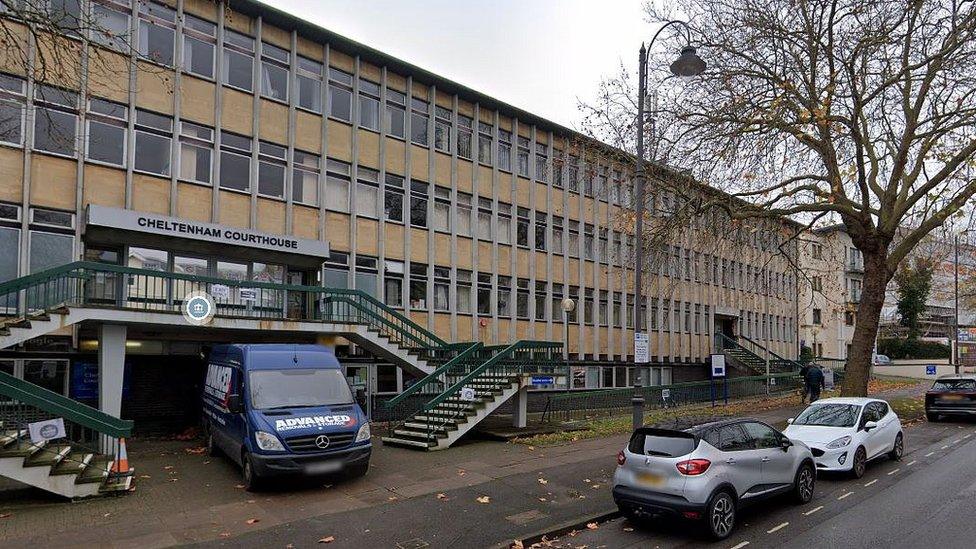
[(866, 328)]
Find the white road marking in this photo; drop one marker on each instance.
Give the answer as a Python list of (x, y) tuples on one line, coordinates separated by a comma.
[(812, 511), (870, 483), (740, 546), (845, 495), (777, 528), (928, 454), (967, 436), (912, 462), (944, 447), (955, 441), (893, 472)]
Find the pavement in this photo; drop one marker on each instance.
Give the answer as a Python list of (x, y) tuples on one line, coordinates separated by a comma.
[(476, 494)]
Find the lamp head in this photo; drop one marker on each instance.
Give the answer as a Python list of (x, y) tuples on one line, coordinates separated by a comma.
[(688, 64)]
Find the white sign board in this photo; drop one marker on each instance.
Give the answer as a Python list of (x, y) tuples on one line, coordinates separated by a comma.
[(249, 294), (718, 365), (641, 348), (828, 379), (220, 291), (467, 393), (665, 393), (46, 430)]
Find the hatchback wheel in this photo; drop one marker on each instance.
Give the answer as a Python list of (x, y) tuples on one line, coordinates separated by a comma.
[(860, 462), (806, 481), (721, 515), (898, 449)]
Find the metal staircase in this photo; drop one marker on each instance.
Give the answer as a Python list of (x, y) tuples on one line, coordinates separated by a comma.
[(86, 462), (435, 409), (749, 356)]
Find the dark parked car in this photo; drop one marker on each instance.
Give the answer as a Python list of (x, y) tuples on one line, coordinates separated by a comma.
[(951, 395)]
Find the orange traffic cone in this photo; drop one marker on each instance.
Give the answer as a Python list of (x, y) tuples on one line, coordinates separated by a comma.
[(121, 464)]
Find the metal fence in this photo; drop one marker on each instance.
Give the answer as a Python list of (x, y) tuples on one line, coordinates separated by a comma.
[(574, 406)]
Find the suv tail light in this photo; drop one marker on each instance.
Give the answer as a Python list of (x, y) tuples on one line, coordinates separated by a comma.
[(693, 467)]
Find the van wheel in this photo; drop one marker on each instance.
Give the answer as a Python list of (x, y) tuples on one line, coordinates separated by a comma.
[(360, 470), (720, 515), (251, 482), (803, 486), (212, 449)]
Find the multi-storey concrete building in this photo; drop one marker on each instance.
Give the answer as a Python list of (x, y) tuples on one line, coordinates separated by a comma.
[(830, 290), (241, 143)]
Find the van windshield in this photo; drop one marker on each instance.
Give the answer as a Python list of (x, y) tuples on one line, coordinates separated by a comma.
[(294, 388)]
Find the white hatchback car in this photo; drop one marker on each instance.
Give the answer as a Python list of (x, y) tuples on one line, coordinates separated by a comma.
[(844, 434)]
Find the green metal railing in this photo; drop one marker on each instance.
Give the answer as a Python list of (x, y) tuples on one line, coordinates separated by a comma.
[(413, 399), (777, 363), (756, 355), (87, 430), (579, 405)]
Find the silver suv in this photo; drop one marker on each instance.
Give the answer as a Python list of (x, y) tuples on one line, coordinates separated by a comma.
[(709, 471)]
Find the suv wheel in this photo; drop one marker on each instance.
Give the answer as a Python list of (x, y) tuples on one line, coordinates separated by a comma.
[(860, 462), (898, 449), (933, 418), (803, 486), (721, 515)]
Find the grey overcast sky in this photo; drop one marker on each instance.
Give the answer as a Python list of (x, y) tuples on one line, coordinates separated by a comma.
[(539, 55)]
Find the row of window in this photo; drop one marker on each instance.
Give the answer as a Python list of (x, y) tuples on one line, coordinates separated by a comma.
[(50, 240)]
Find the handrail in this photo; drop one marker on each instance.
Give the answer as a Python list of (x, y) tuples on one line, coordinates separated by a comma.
[(385, 321), (682, 385), (770, 351), (60, 405), (474, 373), (435, 375)]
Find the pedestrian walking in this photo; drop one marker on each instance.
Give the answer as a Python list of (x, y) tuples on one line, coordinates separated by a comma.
[(803, 383), (814, 382)]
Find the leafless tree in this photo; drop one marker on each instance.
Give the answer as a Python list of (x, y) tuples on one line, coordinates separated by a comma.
[(841, 110)]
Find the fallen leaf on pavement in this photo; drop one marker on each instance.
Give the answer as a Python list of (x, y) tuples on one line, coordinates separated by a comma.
[(252, 501), (543, 500), (441, 496), (543, 481), (174, 479), (239, 486), (168, 467), (329, 539), (484, 499), (392, 498), (517, 544), (5, 515), (595, 486), (225, 534), (586, 480), (531, 448), (628, 529), (592, 526), (252, 521), (195, 451), (461, 472), (144, 476)]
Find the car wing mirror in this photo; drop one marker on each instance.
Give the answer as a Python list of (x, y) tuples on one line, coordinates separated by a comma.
[(785, 443), (789, 421), (361, 397), (234, 404), (871, 425)]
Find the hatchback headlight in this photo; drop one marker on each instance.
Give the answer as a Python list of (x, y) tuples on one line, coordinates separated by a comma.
[(363, 433), (267, 441), (840, 443)]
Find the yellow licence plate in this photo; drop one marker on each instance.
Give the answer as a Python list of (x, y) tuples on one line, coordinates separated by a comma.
[(650, 479)]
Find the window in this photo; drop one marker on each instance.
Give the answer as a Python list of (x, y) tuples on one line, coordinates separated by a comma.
[(484, 218), (464, 207), (541, 161), (337, 185), (762, 436), (367, 192), (540, 231), (523, 156), (340, 95), (698, 319), (849, 318), (625, 194), (369, 105), (573, 315), (654, 318), (464, 136), (573, 238), (522, 227), (419, 114), (603, 246), (393, 283), (666, 315), (442, 289), (504, 222), (816, 283), (557, 168), (687, 318), (588, 306), (199, 43), (235, 161), (731, 438), (196, 153), (572, 177), (522, 299), (396, 113), (816, 250), (157, 32), (603, 313), (366, 274), (504, 150), (442, 129), (49, 250), (618, 309), (305, 178), (308, 81), (557, 302), (12, 109), (484, 294), (271, 170), (817, 320), (484, 142), (110, 26), (418, 203), (557, 234), (587, 180), (9, 247), (462, 297), (588, 246), (274, 72), (238, 66), (418, 286), (504, 296), (393, 198), (106, 131), (615, 248), (613, 192), (600, 183), (540, 300), (442, 209), (153, 141), (55, 120)]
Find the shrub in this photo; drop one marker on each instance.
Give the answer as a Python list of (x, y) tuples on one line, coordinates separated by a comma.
[(913, 349)]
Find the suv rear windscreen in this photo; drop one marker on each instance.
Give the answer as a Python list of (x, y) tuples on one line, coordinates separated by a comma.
[(662, 443), (954, 385)]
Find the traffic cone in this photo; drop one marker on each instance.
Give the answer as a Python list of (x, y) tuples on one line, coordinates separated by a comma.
[(121, 464)]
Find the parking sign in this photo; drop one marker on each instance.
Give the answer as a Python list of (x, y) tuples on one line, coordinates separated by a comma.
[(641, 348)]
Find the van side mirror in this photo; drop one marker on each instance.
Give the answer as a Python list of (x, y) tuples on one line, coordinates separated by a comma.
[(234, 404), (870, 426), (361, 397)]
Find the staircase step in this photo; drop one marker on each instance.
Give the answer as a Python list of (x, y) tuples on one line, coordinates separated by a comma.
[(8, 436), (50, 455), (96, 470), (18, 323), (395, 441), (62, 310), (73, 464), (418, 426), (120, 483), (22, 447), (418, 435), (455, 420)]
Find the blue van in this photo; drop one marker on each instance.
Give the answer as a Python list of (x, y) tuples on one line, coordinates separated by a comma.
[(283, 410)]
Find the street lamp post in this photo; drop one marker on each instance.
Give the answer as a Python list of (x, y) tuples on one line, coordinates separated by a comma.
[(955, 321), (687, 65), (568, 305)]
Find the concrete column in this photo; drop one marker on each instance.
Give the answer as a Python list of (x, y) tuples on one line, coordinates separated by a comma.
[(111, 361), (521, 405)]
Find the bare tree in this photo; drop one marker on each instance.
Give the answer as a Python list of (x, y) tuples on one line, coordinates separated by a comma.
[(840, 110)]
